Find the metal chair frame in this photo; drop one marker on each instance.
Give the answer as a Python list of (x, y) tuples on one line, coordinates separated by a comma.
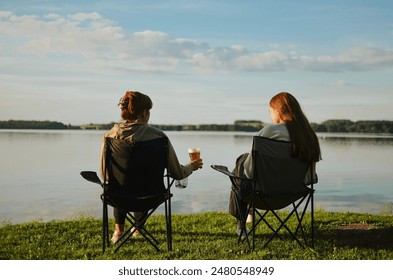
[(261, 202), (133, 202)]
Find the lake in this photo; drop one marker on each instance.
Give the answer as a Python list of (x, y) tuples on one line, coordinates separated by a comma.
[(40, 173)]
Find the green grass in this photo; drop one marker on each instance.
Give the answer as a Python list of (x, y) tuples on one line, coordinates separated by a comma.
[(338, 236)]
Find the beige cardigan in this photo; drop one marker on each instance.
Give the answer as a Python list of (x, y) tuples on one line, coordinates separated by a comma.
[(138, 132)]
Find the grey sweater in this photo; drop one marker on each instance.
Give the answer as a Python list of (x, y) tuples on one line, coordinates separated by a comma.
[(277, 132)]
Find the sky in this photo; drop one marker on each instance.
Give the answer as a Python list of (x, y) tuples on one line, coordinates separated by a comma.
[(201, 62)]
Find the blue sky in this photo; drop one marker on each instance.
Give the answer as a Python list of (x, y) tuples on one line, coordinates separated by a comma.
[(199, 61)]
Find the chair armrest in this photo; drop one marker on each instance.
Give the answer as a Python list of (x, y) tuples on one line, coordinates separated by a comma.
[(91, 176), (223, 169)]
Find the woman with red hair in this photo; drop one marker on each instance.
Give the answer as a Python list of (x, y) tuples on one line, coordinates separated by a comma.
[(289, 124)]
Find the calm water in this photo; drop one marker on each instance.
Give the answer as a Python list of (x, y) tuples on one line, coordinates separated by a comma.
[(40, 173)]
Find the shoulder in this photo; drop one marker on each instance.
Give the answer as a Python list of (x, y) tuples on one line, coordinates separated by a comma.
[(113, 131), (134, 132), (275, 131), (146, 132), (155, 130)]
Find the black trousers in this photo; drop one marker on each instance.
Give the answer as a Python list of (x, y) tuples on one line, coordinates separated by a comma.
[(240, 191), (120, 216)]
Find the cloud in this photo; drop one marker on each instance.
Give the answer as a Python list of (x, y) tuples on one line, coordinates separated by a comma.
[(355, 59), (93, 41), (238, 58)]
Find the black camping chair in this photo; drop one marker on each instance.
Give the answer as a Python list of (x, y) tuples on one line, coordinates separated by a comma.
[(137, 181), (278, 182)]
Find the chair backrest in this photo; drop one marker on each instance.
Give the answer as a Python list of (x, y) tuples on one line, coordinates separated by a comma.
[(276, 172), (136, 169)]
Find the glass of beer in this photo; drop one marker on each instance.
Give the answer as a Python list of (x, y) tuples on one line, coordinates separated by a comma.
[(195, 153)]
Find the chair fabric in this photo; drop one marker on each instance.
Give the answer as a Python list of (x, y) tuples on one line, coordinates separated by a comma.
[(137, 180), (279, 178), (278, 182)]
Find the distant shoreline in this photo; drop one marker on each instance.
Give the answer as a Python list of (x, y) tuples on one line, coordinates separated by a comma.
[(331, 126)]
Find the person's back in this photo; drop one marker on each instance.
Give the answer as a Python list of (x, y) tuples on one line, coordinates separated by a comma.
[(135, 111), (289, 124), (136, 169)]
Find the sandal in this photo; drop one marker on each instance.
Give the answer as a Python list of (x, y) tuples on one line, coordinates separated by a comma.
[(116, 236)]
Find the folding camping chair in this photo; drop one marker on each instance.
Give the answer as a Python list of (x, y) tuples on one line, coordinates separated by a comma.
[(278, 182), (137, 180)]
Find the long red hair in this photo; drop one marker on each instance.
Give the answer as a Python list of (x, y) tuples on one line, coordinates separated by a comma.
[(305, 141)]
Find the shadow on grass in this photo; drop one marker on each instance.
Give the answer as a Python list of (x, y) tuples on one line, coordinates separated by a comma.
[(359, 237)]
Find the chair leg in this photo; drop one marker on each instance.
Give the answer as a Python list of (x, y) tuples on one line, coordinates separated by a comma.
[(244, 230), (252, 232), (257, 219), (310, 198), (243, 221), (282, 224), (300, 220), (312, 219), (136, 225), (262, 218), (168, 219), (105, 226)]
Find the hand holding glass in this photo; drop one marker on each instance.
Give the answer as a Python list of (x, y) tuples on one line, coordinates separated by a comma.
[(195, 154)]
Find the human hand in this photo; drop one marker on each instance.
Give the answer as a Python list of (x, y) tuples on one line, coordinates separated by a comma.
[(196, 164)]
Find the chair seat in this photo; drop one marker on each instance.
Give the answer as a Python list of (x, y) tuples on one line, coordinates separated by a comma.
[(137, 204), (276, 201)]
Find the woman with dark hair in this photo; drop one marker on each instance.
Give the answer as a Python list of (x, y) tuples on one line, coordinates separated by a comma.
[(289, 124), (135, 111)]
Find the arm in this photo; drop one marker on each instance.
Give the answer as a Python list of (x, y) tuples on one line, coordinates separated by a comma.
[(248, 164), (176, 170), (109, 133), (102, 159)]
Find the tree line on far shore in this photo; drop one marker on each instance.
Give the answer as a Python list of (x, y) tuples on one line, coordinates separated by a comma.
[(346, 126)]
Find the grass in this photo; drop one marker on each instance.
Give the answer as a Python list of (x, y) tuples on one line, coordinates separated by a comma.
[(205, 236)]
